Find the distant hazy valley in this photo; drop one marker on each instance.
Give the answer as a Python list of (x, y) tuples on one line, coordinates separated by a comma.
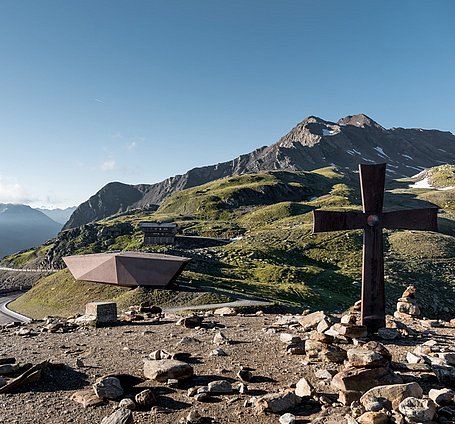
[(22, 227)]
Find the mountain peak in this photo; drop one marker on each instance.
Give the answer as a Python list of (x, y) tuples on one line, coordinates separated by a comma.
[(360, 120)]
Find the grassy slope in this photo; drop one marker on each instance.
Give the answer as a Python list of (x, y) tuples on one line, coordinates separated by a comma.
[(279, 258)]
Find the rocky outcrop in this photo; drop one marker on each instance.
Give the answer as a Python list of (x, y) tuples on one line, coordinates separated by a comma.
[(312, 144)]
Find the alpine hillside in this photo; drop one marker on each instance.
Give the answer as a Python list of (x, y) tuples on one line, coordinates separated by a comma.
[(313, 143)]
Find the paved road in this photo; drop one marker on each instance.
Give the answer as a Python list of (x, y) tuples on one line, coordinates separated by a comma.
[(5, 314), (5, 268)]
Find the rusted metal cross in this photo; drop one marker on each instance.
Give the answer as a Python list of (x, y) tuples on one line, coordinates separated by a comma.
[(372, 220)]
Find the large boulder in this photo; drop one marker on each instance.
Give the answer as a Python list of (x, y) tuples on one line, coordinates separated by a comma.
[(311, 321), (417, 410), (363, 379), (165, 369), (277, 402), (108, 388), (392, 393)]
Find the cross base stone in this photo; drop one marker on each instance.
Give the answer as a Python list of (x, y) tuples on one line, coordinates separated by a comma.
[(103, 312)]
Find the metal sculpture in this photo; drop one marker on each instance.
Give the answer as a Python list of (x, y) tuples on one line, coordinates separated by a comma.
[(128, 269)]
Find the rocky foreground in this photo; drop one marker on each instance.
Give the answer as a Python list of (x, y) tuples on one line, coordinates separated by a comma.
[(225, 367)]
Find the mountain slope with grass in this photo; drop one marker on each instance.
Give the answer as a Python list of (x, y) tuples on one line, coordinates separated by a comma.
[(312, 144)]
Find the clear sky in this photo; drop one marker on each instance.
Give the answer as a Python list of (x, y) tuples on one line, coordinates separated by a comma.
[(136, 91)]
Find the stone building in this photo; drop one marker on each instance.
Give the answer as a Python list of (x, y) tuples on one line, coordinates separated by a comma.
[(159, 232)]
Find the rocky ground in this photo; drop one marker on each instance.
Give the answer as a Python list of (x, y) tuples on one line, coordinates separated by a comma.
[(256, 368)]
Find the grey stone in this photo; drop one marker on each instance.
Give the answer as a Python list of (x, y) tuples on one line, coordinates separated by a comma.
[(311, 321), (392, 393), (442, 397), (108, 388), (417, 410), (191, 321), (408, 308), (277, 402), (445, 374), (86, 398), (304, 388), (363, 379), (388, 333), (194, 417), (220, 338), (218, 352), (360, 357), (103, 312), (289, 338), (164, 369), (287, 418), (127, 403), (160, 354), (220, 387), (121, 416), (373, 417), (146, 398), (8, 369), (226, 311)]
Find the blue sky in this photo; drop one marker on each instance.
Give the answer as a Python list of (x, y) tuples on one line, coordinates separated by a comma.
[(137, 91)]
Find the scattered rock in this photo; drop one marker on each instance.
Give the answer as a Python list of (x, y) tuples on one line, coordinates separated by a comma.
[(277, 402), (218, 352), (245, 374), (127, 403), (373, 418), (121, 416), (164, 369), (417, 410), (220, 387), (108, 388), (351, 331), (86, 398), (191, 321), (304, 388), (226, 311), (145, 399), (393, 394), (311, 321), (8, 369), (445, 374), (289, 338), (388, 333), (363, 379), (220, 338), (194, 417), (287, 418), (442, 397)]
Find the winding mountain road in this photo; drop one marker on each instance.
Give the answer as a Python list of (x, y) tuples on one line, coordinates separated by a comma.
[(7, 315)]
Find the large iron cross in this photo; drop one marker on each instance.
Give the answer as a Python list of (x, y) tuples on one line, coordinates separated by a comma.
[(372, 220)]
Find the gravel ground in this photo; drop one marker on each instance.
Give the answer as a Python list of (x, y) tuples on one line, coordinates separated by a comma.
[(122, 348)]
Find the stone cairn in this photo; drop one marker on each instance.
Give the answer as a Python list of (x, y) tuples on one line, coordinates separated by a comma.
[(407, 306)]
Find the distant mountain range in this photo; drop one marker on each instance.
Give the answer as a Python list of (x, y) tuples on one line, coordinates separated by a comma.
[(312, 144), (58, 215), (22, 227)]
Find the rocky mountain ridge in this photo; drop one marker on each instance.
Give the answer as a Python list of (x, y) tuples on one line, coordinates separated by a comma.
[(313, 143)]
